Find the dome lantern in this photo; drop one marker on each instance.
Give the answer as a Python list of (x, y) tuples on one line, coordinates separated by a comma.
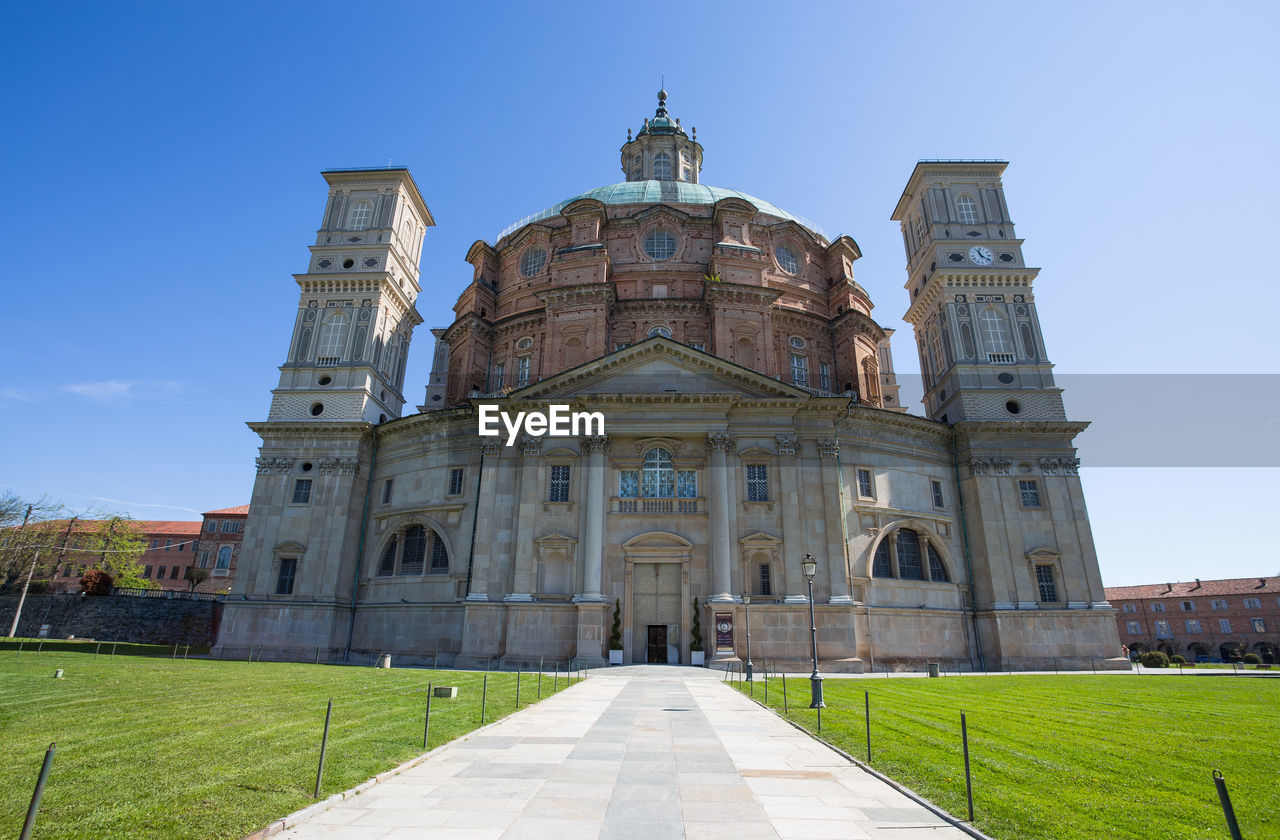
[(661, 150)]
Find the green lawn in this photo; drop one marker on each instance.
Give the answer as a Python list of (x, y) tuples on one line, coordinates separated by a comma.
[(1068, 757), (156, 748)]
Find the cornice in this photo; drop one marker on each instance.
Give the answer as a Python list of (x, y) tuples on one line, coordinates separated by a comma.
[(738, 293), (578, 295)]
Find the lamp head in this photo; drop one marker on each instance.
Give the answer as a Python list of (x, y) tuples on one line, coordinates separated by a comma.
[(746, 599), (809, 566)]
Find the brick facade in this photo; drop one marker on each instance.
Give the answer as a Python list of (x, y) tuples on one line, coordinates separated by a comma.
[(1187, 618)]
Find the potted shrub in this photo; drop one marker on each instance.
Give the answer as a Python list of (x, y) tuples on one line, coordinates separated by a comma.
[(615, 635), (696, 655)]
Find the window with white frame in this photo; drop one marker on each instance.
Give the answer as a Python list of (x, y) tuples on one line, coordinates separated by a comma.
[(995, 332), (1157, 606), (333, 335), (824, 376), (799, 370), (1047, 583), (204, 559), (787, 260), (522, 371), (660, 245), (657, 478), (866, 489), (558, 491), (920, 230), (455, 481), (757, 483), (224, 560), (1224, 625), (360, 215), (302, 491), (1029, 493), (662, 167), (967, 210), (1193, 626), (1134, 628), (935, 487)]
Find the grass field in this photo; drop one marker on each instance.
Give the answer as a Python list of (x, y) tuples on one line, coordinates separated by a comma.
[(1068, 757), (155, 748)]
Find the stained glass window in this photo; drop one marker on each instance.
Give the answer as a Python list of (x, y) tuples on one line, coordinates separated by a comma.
[(909, 567), (629, 484), (657, 477)]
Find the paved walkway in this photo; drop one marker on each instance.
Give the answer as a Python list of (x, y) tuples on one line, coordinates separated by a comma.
[(646, 752)]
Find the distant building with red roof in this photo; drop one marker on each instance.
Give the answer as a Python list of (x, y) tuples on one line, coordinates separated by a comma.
[(219, 548), (1220, 619), (169, 550)]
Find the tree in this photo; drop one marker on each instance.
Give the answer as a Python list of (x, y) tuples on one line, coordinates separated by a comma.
[(29, 537), (195, 576), (119, 547)]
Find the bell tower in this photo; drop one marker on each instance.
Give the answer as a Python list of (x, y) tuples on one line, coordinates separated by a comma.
[(982, 356), (356, 309)]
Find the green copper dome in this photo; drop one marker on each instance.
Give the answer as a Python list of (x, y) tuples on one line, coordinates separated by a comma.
[(665, 192)]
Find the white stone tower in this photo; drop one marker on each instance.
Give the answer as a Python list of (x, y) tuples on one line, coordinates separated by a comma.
[(356, 310), (982, 356)]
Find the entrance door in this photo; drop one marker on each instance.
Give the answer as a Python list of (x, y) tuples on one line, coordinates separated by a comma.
[(656, 606), (657, 647)]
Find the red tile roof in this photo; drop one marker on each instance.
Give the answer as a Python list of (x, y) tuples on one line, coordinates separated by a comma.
[(1197, 589), (231, 511), (152, 526)]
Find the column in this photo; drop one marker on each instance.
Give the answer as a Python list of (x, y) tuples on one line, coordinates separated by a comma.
[(719, 445), (522, 562), (792, 584), (593, 548), (490, 452), (836, 548)]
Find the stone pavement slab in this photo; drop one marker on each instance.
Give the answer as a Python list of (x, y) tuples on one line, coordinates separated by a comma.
[(636, 752)]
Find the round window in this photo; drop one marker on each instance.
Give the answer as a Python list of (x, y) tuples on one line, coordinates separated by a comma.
[(347, 263), (1012, 407), (1005, 378), (317, 409), (665, 332), (797, 342), (660, 245), (533, 261), (324, 380), (306, 467), (787, 259), (524, 343)]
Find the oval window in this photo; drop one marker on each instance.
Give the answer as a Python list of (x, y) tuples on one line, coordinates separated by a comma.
[(797, 342), (533, 261), (524, 343), (787, 259), (660, 245)]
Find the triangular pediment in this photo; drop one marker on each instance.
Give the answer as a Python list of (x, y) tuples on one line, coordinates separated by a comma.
[(657, 366)]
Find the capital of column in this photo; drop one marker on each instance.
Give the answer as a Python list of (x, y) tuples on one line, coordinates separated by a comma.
[(787, 445), (829, 448), (720, 442), (594, 443), (491, 447), (530, 445)]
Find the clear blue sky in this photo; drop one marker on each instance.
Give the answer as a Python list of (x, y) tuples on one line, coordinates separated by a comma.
[(162, 168)]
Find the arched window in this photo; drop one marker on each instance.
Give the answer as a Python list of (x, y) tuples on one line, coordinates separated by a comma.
[(937, 571), (662, 167), (333, 336), (658, 475), (387, 566), (665, 332), (224, 559), (360, 214), (415, 550), (660, 245), (909, 567), (881, 567), (967, 210), (439, 556), (995, 332)]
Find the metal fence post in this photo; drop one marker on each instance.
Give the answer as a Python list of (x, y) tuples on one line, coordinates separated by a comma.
[(484, 696), (785, 710), (518, 674), (426, 726), (30, 822), (866, 696), (1227, 810), (324, 746), (968, 777)]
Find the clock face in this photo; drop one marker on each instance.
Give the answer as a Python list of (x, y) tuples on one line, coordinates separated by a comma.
[(980, 256)]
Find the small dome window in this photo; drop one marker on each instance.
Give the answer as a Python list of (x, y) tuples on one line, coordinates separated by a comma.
[(533, 261), (660, 245), (524, 344), (787, 260), (360, 215), (662, 167), (797, 342), (665, 332)]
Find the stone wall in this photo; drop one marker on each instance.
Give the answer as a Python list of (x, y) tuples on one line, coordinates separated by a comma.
[(116, 618)]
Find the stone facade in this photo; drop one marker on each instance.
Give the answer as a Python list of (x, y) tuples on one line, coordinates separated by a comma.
[(116, 618), (751, 418)]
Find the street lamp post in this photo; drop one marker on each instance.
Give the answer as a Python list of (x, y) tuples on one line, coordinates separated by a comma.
[(746, 612), (810, 568)]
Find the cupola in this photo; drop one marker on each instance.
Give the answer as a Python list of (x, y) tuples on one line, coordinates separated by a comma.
[(662, 151)]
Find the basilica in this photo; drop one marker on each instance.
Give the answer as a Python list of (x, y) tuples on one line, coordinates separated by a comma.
[(749, 420)]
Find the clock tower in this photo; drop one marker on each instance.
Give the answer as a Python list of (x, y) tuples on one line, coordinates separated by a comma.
[(982, 356)]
